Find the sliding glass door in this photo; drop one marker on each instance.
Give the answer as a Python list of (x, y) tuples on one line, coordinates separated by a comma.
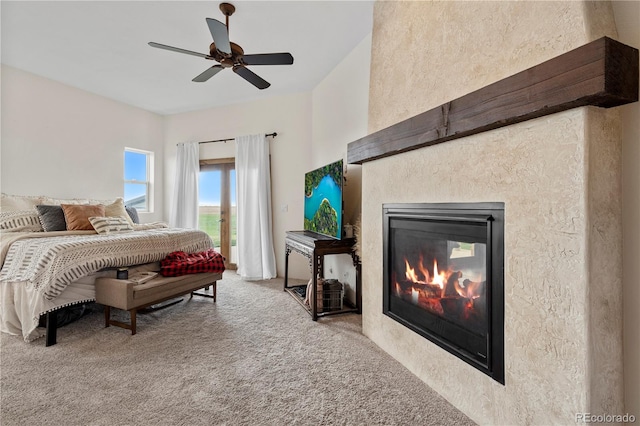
[(218, 207)]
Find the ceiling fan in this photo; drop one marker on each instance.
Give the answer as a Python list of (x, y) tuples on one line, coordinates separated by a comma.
[(230, 55)]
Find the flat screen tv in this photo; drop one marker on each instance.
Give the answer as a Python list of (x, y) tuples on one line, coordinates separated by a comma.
[(323, 200)]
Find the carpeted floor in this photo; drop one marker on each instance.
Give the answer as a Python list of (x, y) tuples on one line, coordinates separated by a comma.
[(253, 358)]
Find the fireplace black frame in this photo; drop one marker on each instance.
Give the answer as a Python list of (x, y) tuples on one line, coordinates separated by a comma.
[(491, 214)]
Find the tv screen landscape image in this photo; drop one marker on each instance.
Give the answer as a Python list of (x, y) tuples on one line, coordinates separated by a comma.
[(323, 200)]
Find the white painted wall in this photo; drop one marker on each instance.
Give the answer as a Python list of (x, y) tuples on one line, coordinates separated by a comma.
[(340, 116), (63, 142), (627, 15), (290, 117)]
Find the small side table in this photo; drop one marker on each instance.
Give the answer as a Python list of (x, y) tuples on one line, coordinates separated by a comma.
[(314, 247)]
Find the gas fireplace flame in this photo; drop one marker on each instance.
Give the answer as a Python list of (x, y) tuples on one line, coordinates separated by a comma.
[(430, 289), (410, 273), (438, 278), (435, 277)]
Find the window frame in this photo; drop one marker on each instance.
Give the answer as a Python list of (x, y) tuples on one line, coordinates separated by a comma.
[(148, 183)]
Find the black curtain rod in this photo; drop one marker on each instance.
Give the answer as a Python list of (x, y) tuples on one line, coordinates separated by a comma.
[(274, 134)]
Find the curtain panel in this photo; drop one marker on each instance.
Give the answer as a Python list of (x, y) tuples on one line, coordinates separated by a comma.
[(184, 208), (256, 256)]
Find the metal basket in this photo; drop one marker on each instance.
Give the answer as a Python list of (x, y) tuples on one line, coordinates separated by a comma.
[(332, 295)]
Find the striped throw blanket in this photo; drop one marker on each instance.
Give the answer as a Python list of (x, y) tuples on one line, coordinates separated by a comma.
[(50, 264)]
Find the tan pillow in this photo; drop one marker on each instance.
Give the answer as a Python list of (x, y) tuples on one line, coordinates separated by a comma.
[(77, 216), (116, 209)]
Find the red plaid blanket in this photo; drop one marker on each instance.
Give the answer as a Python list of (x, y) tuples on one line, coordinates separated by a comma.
[(181, 263)]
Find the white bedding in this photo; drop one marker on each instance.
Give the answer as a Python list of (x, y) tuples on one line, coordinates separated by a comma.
[(31, 287)]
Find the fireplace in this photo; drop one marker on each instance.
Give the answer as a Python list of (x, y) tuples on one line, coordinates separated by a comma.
[(443, 277)]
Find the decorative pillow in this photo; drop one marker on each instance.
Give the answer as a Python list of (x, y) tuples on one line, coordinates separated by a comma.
[(108, 225), (51, 218), (94, 201), (149, 225), (133, 214), (77, 216), (116, 209), (60, 201), (12, 203), (20, 221)]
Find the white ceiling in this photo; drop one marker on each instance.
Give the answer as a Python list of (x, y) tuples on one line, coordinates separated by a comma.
[(101, 46)]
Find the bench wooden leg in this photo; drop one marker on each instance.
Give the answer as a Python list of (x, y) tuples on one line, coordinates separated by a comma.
[(133, 321), (108, 321), (107, 316), (211, 296)]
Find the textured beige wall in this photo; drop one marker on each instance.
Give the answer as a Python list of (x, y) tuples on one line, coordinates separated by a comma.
[(559, 177), (604, 211), (427, 53), (627, 16)]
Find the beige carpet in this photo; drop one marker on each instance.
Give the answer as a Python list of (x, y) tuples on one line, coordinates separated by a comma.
[(253, 358)]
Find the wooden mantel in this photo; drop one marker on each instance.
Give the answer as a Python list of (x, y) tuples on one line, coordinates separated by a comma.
[(602, 73)]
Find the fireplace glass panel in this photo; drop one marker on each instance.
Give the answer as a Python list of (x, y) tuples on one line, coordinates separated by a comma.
[(445, 275)]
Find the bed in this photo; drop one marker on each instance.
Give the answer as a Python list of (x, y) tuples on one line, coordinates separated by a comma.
[(45, 270)]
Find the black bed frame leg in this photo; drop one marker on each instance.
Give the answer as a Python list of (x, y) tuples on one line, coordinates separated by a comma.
[(52, 328)]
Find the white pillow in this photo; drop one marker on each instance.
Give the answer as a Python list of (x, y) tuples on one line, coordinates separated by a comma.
[(149, 225), (109, 225), (12, 203), (59, 201)]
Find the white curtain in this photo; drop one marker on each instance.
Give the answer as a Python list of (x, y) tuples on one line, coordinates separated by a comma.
[(256, 257), (184, 209)]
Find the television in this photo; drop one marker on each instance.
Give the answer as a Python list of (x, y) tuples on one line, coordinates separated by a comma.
[(323, 200)]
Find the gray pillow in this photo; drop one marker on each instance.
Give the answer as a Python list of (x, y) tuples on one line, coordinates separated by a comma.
[(51, 218), (133, 214)]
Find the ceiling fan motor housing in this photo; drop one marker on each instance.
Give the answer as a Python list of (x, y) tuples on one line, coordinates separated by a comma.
[(226, 60)]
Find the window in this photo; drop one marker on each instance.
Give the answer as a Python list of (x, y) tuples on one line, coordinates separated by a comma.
[(138, 172)]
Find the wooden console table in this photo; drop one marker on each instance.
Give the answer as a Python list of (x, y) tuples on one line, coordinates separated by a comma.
[(314, 247)]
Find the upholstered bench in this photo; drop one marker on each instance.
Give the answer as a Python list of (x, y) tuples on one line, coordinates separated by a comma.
[(131, 296)]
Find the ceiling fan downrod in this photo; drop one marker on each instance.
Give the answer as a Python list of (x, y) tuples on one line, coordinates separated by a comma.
[(227, 10)]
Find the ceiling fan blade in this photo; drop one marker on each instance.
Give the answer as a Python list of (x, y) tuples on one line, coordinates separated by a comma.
[(251, 77), (220, 35), (177, 49), (208, 73), (268, 59)]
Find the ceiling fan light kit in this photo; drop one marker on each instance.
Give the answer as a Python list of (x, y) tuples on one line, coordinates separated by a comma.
[(229, 54)]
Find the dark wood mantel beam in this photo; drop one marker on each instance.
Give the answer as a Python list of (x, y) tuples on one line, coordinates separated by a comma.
[(602, 73)]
